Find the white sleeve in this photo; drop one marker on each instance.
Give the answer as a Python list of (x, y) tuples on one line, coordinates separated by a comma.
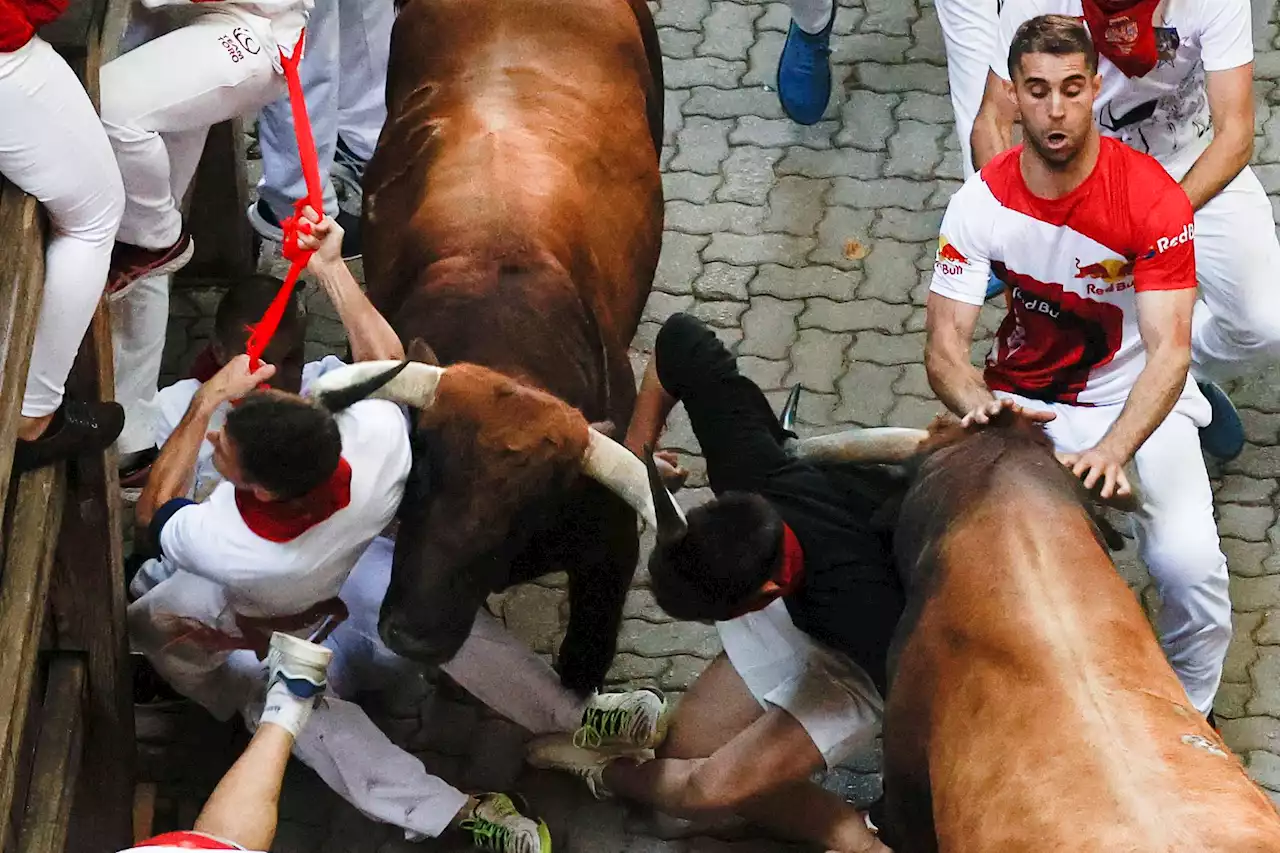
[(313, 370), (169, 406), (1227, 38), (962, 265)]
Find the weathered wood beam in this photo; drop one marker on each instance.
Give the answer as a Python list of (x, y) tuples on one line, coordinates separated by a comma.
[(31, 541), (57, 761)]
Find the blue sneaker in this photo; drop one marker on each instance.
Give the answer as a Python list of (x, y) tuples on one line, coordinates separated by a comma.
[(1224, 436), (994, 286), (804, 72)]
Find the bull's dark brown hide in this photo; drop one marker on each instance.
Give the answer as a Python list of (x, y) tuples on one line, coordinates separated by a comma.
[(1030, 708), (512, 219)]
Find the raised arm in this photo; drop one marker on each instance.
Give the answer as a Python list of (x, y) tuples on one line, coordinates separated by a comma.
[(1231, 105), (371, 336), (993, 127)]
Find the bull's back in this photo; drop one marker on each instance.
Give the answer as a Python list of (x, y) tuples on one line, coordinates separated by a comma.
[(1048, 717), (520, 133)]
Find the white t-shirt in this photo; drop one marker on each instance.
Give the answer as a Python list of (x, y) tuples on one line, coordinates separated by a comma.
[(170, 405), (264, 578), (1167, 110), (1074, 266)]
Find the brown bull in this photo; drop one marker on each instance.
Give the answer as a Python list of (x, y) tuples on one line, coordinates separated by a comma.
[(1031, 709), (512, 221)]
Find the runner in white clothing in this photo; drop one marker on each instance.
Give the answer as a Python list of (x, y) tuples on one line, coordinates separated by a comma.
[(1096, 243), (341, 744), (199, 63), (1177, 83)]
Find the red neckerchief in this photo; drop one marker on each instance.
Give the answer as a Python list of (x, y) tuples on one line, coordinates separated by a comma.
[(1127, 36), (205, 366), (280, 521), (784, 581)]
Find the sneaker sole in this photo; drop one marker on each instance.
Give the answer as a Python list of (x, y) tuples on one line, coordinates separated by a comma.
[(301, 651), (167, 268)]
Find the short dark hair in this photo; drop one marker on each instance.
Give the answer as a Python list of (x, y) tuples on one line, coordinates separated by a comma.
[(731, 548), (1059, 35), (244, 304), (286, 445)]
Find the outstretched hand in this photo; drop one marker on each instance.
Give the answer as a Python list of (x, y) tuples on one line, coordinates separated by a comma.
[(234, 380), (322, 236), (668, 465), (989, 411), (1099, 463)]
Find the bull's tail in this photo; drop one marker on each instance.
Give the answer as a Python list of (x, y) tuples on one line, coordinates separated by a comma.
[(340, 398)]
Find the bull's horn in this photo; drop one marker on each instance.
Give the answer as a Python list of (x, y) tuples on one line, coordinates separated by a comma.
[(407, 382), (612, 465), (885, 445), (672, 525), (787, 417)]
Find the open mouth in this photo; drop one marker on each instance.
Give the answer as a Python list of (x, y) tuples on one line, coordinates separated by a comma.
[(1056, 138)]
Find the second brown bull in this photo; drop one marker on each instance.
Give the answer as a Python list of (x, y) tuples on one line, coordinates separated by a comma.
[(512, 221)]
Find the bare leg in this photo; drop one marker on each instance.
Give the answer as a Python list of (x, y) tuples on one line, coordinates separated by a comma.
[(243, 809), (726, 753)]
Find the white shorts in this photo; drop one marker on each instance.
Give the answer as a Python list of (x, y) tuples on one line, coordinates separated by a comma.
[(828, 694)]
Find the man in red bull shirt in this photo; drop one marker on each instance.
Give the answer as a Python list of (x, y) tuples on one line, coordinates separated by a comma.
[(1096, 242), (1177, 83)]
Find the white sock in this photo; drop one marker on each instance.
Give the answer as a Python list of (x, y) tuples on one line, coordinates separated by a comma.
[(286, 710), (811, 15)]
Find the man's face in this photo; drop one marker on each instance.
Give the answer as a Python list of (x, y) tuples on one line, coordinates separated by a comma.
[(1055, 96), (226, 459)]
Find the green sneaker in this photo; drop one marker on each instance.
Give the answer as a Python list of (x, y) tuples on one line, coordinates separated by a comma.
[(558, 752), (496, 824), (630, 721)]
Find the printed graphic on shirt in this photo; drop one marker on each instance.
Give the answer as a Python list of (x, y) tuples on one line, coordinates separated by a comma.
[(1052, 339), (949, 259)]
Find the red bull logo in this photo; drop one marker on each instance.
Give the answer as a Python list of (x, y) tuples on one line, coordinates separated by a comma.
[(1116, 272), (950, 260)]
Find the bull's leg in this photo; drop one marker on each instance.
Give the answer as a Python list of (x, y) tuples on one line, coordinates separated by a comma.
[(908, 801), (597, 591)]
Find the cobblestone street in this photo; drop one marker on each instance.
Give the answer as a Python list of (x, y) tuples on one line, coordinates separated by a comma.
[(810, 250)]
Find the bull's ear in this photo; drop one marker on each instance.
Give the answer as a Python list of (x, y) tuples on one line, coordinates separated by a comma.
[(419, 351)]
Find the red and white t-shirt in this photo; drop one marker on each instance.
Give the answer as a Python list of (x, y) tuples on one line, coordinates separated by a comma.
[(1074, 266), (1167, 110)]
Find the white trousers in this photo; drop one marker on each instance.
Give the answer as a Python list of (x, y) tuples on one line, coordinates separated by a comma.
[(1177, 536), (53, 147), (970, 29), (344, 78), (340, 743), (1236, 326), (158, 102)]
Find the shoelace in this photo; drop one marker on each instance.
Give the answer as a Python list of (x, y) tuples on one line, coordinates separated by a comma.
[(78, 416), (487, 834), (600, 724)]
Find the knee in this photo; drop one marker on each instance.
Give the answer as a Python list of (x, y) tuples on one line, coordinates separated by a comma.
[(1257, 325), (710, 788), (1186, 558)]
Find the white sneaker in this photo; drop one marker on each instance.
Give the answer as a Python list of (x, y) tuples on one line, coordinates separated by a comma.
[(558, 752), (496, 824), (623, 722), (302, 666)]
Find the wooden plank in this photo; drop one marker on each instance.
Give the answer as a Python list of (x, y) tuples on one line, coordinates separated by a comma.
[(32, 536), (22, 247), (215, 205), (89, 610), (57, 764), (144, 811)]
